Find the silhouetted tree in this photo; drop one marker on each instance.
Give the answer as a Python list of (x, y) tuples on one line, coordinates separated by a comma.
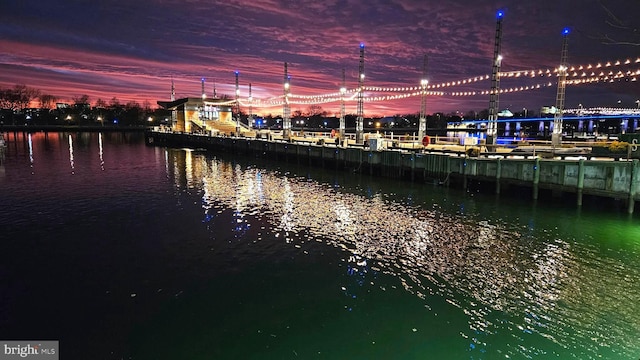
[(315, 110), (47, 101), (101, 104)]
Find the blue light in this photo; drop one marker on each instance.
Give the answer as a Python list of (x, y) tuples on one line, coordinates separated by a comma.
[(237, 72), (361, 45), (565, 31), (500, 14), (202, 79)]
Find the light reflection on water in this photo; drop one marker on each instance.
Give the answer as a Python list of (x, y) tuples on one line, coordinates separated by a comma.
[(513, 281)]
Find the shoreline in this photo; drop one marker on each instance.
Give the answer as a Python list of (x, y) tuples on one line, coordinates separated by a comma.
[(69, 128)]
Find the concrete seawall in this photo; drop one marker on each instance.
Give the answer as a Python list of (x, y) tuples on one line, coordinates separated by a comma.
[(604, 178)]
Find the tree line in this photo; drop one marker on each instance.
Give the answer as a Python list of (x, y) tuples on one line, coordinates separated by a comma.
[(16, 106)]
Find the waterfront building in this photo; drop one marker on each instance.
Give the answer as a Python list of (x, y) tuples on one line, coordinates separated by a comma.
[(193, 114)]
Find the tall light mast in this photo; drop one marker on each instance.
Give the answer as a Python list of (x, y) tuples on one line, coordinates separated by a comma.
[(215, 94), (492, 127), (173, 90), (204, 95), (286, 111), (422, 126), (173, 98), (360, 119), (237, 105), (250, 120), (343, 91), (556, 136)]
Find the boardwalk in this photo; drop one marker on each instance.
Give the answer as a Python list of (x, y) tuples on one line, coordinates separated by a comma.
[(611, 178)]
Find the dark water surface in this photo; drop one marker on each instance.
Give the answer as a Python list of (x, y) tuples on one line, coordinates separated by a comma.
[(122, 251)]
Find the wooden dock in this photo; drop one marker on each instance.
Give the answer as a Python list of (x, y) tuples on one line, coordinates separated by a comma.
[(619, 179)]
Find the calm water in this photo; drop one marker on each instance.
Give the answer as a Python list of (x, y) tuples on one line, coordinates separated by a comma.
[(122, 251)]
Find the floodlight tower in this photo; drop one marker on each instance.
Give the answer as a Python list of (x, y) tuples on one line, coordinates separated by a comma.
[(204, 95), (492, 126), (422, 126), (215, 94), (173, 90), (250, 119), (173, 98), (286, 111), (343, 91), (237, 104), (360, 119), (556, 135)]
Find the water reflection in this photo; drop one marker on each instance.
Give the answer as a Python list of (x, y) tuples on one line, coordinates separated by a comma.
[(71, 154), (30, 153), (532, 286), (40, 145), (100, 151)]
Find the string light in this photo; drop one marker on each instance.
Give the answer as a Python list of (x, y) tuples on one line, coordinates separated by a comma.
[(576, 75)]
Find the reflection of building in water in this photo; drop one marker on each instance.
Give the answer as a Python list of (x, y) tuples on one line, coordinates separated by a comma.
[(487, 268), (71, 154), (188, 168), (198, 114)]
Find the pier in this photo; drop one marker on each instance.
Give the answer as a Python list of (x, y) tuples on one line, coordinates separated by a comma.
[(609, 178)]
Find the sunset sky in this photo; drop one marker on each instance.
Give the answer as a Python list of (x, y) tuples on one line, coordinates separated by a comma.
[(131, 49)]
